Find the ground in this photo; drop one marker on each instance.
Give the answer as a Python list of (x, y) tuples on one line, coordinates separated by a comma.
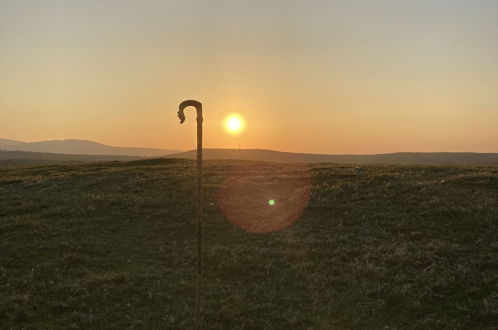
[(112, 245)]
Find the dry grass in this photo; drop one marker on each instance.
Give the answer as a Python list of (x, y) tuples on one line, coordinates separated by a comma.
[(111, 245)]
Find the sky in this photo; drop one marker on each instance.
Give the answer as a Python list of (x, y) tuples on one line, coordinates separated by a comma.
[(321, 76)]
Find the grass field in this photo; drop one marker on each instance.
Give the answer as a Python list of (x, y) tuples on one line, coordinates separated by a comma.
[(112, 245)]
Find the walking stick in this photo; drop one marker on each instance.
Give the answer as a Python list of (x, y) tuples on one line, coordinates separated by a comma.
[(181, 115)]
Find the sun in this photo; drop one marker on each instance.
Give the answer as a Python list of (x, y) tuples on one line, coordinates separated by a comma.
[(234, 124)]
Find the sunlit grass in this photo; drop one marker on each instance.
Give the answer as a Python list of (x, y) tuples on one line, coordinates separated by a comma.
[(112, 245)]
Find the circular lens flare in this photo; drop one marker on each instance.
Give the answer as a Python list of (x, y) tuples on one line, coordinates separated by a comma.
[(234, 124), (248, 196)]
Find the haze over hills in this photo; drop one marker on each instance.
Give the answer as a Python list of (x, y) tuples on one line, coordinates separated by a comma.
[(81, 147), (448, 158), (16, 152), (28, 158)]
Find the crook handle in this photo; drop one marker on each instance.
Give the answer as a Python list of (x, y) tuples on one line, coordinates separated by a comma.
[(190, 103)]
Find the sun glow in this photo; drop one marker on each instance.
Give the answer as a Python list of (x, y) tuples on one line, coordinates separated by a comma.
[(234, 124)]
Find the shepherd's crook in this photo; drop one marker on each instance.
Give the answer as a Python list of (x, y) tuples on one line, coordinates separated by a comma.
[(181, 115)]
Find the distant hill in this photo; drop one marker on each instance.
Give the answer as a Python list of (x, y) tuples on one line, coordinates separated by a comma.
[(81, 147), (5, 143), (14, 158), (448, 158), (434, 158)]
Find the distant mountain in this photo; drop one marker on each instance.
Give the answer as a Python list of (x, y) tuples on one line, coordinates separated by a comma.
[(14, 158), (91, 151), (5, 143), (443, 158), (81, 147)]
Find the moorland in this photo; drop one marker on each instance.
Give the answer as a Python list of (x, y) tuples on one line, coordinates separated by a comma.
[(112, 245)]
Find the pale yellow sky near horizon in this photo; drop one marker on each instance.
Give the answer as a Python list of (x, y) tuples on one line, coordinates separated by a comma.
[(307, 76)]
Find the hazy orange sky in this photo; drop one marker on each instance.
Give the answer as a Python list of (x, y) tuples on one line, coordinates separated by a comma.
[(310, 76)]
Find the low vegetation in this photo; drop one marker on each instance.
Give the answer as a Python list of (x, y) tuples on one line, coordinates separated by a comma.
[(112, 245)]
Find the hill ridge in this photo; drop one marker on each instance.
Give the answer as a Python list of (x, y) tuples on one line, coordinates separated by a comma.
[(443, 158), (81, 147), (400, 158)]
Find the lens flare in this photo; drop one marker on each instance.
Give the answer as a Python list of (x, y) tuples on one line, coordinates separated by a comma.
[(248, 196)]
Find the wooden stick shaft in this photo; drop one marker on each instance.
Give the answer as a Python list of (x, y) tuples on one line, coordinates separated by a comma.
[(199, 220)]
